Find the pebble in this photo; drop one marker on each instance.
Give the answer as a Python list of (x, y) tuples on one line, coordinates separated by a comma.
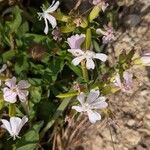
[(131, 136), (147, 116), (131, 122)]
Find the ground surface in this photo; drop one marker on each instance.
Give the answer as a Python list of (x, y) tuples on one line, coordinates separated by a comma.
[(130, 127)]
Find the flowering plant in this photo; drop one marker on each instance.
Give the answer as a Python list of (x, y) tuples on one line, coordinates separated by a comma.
[(61, 72)]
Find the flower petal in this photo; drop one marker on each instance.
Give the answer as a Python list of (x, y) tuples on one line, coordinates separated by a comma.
[(93, 116), (23, 121), (11, 83), (15, 123), (128, 78), (99, 103), (46, 26), (101, 56), (75, 41), (23, 84), (6, 125), (145, 59), (77, 60), (51, 20), (9, 95), (76, 52), (77, 108), (81, 98), (53, 7), (22, 94), (117, 81), (100, 31), (93, 95), (90, 63), (104, 6)]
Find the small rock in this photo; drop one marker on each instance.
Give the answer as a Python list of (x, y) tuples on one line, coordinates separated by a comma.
[(131, 122), (147, 116), (132, 20), (131, 136), (139, 147)]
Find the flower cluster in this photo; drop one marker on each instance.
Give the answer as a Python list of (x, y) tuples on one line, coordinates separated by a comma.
[(11, 93), (75, 42)]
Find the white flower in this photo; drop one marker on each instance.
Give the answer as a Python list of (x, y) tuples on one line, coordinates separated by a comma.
[(88, 56), (13, 90), (2, 70), (90, 104), (75, 42), (14, 125), (49, 18)]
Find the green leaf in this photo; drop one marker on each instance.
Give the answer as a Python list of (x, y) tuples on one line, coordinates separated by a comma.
[(8, 55), (88, 39), (96, 46), (69, 94), (109, 89), (1, 101), (36, 93), (94, 13), (17, 19), (46, 108), (68, 28), (60, 16), (30, 140), (84, 23), (75, 69), (122, 57), (21, 64), (56, 66), (23, 28), (36, 37)]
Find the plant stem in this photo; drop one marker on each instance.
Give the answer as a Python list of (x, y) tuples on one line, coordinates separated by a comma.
[(84, 71), (12, 110)]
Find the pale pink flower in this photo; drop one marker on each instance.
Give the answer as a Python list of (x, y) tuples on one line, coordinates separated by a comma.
[(145, 57), (13, 90), (75, 41), (101, 3), (14, 125), (90, 103), (80, 55), (126, 84), (108, 34)]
